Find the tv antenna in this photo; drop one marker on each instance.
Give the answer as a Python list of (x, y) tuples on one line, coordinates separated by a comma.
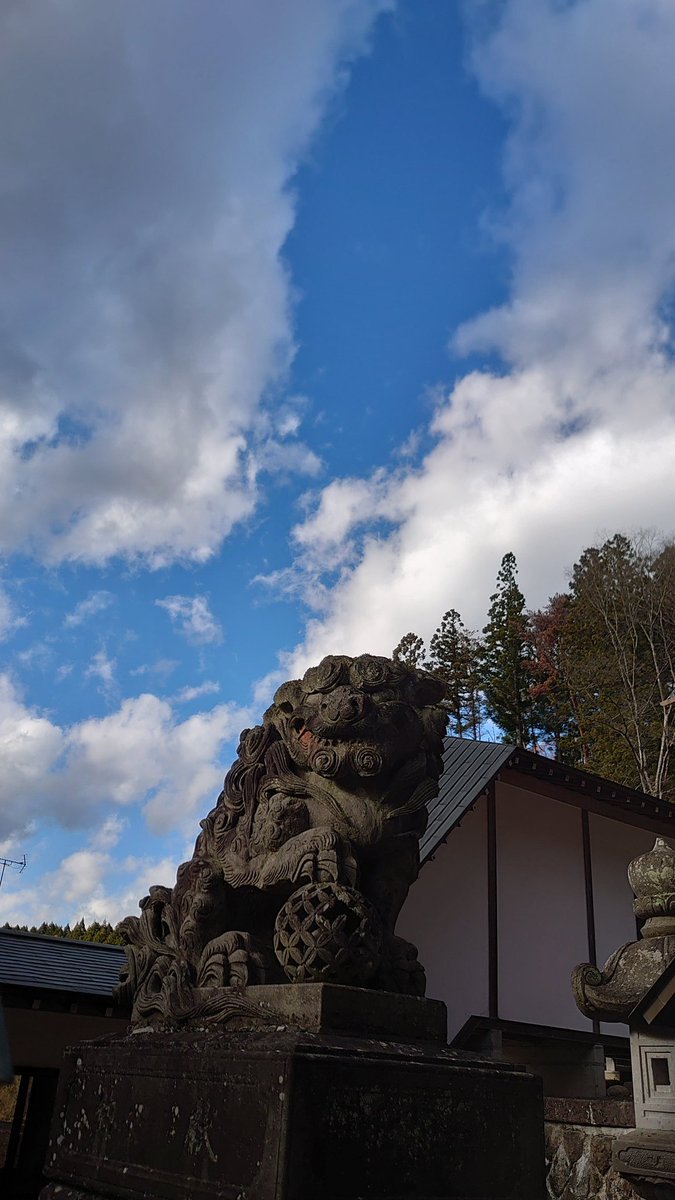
[(18, 864)]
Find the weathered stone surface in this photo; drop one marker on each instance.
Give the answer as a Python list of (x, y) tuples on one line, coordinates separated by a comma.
[(652, 878), (600, 1152), (559, 1172), (357, 1012), (290, 1116), (303, 865), (579, 1163), (573, 1140), (612, 993), (560, 1111), (647, 1158)]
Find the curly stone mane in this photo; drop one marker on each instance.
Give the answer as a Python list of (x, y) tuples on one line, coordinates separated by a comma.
[(321, 811)]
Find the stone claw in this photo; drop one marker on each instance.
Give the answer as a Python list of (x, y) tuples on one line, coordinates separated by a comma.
[(231, 960), (327, 864)]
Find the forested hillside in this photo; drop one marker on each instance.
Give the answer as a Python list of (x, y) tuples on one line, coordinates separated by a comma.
[(588, 679)]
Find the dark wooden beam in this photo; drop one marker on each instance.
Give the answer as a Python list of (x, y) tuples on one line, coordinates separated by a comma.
[(493, 930), (588, 883)]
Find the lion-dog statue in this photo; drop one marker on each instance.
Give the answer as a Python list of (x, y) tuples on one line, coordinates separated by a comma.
[(302, 867)]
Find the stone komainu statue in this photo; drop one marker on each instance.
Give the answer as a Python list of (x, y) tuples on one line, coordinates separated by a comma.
[(302, 867)]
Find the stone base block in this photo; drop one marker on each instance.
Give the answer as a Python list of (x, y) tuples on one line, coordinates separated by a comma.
[(647, 1160), (334, 1008), (287, 1115)]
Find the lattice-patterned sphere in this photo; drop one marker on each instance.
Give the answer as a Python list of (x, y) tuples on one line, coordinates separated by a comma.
[(327, 933)]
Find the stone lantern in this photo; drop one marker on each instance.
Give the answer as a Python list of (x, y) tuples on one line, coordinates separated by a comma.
[(637, 985)]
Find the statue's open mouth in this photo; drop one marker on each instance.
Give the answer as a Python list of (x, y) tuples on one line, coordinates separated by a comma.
[(332, 735)]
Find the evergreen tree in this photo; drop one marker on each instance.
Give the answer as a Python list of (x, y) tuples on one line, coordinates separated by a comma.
[(410, 651), (95, 932), (507, 659), (454, 655)]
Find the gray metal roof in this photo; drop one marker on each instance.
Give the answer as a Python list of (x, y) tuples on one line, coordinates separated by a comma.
[(35, 960), (468, 767)]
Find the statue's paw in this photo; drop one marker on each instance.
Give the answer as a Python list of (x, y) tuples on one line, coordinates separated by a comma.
[(318, 866), (333, 863), (317, 855), (232, 960)]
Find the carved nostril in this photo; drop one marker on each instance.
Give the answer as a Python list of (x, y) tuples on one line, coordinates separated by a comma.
[(341, 708)]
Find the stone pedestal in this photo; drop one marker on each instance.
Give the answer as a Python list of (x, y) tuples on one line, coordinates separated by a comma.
[(280, 1112)]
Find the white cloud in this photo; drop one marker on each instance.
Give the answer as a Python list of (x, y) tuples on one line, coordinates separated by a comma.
[(264, 689), (90, 883), (144, 304), (193, 618), (575, 435), (91, 606), (109, 834), (138, 755), (286, 458), (9, 618), (103, 668), (161, 669), (39, 656), (186, 694)]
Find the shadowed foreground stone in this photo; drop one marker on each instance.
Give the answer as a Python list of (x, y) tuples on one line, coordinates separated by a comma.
[(284, 1113)]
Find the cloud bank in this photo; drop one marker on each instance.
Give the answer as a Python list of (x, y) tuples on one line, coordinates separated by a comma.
[(79, 776), (144, 304), (91, 883), (573, 434)]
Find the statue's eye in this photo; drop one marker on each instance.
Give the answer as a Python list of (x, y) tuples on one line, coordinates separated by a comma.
[(285, 706)]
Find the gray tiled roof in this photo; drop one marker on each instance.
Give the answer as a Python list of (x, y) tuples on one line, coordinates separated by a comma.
[(34, 960), (468, 767)]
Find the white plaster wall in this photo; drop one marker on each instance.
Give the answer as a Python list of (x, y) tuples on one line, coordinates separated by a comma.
[(613, 845), (445, 915), (541, 907)]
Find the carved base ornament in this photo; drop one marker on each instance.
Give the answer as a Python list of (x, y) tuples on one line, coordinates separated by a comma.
[(302, 867)]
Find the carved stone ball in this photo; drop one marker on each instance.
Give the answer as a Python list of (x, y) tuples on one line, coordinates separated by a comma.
[(327, 933)]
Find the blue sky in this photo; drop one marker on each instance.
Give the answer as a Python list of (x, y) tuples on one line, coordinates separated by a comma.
[(308, 314)]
